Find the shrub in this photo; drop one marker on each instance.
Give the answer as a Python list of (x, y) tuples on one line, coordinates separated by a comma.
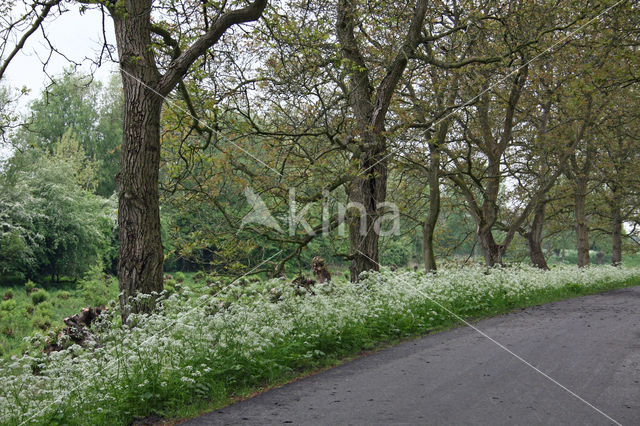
[(180, 277), (8, 295), (43, 316), (43, 322), (8, 305), (39, 296), (64, 295), (170, 285), (29, 286), (97, 288)]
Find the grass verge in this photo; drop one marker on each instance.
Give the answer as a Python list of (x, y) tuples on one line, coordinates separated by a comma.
[(203, 351)]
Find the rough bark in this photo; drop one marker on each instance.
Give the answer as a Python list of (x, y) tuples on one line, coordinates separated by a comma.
[(140, 246), (369, 191), (616, 232), (579, 172), (582, 229), (430, 222), (534, 237), (491, 250), (370, 106)]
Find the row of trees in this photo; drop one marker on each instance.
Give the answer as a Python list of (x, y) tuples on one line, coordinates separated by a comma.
[(524, 113)]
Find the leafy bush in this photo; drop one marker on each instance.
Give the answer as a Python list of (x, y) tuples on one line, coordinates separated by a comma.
[(64, 295), (180, 277), (39, 296), (8, 295), (43, 316), (55, 226), (7, 305), (29, 286), (395, 252), (170, 285), (98, 289)]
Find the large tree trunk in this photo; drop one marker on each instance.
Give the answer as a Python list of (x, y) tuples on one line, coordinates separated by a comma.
[(369, 190), (140, 248), (582, 229), (430, 222), (370, 107), (534, 237), (492, 251), (140, 252), (616, 232)]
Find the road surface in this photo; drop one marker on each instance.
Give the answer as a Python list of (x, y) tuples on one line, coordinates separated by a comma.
[(590, 345)]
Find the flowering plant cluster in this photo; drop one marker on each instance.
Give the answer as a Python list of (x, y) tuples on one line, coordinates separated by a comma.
[(200, 349)]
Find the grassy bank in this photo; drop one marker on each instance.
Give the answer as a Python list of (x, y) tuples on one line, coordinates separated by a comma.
[(203, 349), (27, 308)]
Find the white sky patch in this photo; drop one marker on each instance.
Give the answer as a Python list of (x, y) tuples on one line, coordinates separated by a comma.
[(77, 36)]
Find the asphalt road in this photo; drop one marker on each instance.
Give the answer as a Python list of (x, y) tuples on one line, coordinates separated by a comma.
[(591, 345)]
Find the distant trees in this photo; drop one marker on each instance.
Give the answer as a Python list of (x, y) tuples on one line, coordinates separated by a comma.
[(487, 109), (491, 125), (50, 225), (73, 102)]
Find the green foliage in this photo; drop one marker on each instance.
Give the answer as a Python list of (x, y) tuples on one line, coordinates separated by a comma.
[(7, 305), (55, 226), (22, 319), (97, 288), (170, 285), (39, 296), (69, 151), (29, 286), (94, 113), (43, 316), (396, 251), (18, 237)]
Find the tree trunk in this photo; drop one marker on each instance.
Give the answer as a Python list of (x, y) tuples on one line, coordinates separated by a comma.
[(370, 107), (140, 248), (616, 232), (369, 190), (492, 251), (429, 224), (534, 237), (582, 230)]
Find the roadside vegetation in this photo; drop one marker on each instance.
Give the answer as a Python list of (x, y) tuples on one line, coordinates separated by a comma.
[(211, 342)]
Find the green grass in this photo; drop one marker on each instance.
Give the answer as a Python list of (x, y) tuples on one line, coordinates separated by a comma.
[(22, 317)]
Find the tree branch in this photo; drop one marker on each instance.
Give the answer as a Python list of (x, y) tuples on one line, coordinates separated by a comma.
[(179, 66)]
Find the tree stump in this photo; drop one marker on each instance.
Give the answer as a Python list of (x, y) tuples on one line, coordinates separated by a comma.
[(78, 329), (320, 270)]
